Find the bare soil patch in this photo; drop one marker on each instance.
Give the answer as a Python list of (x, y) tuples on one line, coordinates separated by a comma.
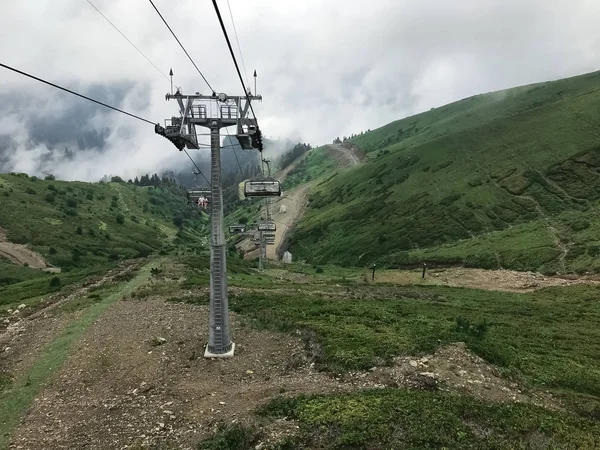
[(490, 280)]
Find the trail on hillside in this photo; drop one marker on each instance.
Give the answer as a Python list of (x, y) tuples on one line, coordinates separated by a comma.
[(21, 255), (345, 155), (295, 201)]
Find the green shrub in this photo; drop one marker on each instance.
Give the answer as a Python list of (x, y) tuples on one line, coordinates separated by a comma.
[(120, 219)]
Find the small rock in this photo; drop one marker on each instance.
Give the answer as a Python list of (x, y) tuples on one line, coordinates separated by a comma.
[(413, 364), (260, 446), (166, 411), (249, 372), (22, 305), (428, 374), (6, 349), (221, 403)]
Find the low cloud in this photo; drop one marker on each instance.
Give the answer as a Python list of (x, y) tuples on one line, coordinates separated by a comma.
[(326, 69)]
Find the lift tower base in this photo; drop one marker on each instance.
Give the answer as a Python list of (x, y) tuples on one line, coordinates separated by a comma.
[(229, 354)]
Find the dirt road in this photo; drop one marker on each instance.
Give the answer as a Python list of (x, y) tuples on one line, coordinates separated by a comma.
[(295, 200), (346, 154), (295, 203)]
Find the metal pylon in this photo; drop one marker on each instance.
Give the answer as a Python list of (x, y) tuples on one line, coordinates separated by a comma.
[(219, 342)]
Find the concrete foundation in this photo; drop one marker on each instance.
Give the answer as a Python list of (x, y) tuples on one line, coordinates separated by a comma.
[(229, 354)]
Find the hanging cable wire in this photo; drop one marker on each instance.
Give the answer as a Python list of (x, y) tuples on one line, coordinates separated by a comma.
[(196, 165), (237, 67), (127, 39), (234, 153), (181, 45), (75, 93), (238, 43)]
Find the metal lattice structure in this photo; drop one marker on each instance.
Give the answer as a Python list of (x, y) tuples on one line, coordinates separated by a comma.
[(199, 110)]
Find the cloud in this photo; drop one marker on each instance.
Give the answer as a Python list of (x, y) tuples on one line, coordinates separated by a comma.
[(326, 68)]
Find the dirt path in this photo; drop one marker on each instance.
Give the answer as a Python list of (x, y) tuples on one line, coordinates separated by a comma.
[(138, 378), (21, 255), (295, 201), (295, 204), (346, 154), (490, 280)]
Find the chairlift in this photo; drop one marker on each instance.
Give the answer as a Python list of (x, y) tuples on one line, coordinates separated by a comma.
[(200, 197), (249, 139), (267, 226), (262, 187), (235, 229)]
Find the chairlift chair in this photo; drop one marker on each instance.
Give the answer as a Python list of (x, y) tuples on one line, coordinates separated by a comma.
[(200, 197), (267, 226), (235, 229), (262, 187)]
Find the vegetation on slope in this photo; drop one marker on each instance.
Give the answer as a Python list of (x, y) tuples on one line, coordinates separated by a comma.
[(456, 184), (75, 224)]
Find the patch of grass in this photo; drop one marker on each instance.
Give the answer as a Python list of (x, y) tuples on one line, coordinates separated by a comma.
[(15, 400), (549, 339), (415, 419), (230, 437), (38, 283)]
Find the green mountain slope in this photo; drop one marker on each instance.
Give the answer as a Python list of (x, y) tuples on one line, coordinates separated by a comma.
[(507, 179), (75, 224)]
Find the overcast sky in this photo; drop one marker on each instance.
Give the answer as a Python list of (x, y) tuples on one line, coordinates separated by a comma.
[(326, 68)]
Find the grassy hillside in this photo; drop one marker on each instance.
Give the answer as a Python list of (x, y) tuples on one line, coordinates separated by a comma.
[(508, 179), (75, 224)]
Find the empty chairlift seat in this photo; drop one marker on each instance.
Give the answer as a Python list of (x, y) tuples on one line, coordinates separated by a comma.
[(264, 187), (234, 229), (267, 226)]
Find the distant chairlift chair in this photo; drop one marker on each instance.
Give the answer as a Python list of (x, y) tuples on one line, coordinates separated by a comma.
[(262, 187)]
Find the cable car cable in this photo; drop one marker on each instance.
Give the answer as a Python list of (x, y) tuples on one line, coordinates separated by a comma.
[(181, 45), (237, 67), (127, 39), (238, 43), (197, 168), (76, 93), (235, 154)]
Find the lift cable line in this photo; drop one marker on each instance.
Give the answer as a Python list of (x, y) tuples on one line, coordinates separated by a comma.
[(181, 45), (196, 165), (238, 43), (234, 154), (76, 93), (237, 67), (127, 39)]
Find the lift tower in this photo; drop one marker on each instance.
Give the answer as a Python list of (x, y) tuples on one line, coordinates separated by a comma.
[(199, 110)]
